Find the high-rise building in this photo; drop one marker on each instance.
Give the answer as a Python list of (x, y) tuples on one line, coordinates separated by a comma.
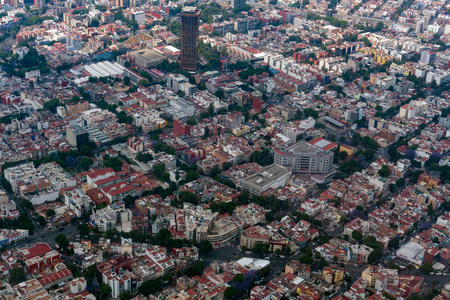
[(39, 3), (190, 18), (77, 136)]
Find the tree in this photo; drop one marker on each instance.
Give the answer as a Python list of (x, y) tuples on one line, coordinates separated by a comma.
[(394, 243), (17, 275), (86, 150), (26, 204), (356, 235), (115, 163), (125, 295), (384, 171), (278, 252), (427, 268), (50, 213), (86, 163), (126, 80), (41, 220), (206, 133), (400, 182), (205, 247), (127, 64), (62, 240), (288, 250), (219, 93), (196, 269), (374, 256), (104, 289), (144, 157), (230, 292), (90, 272), (84, 229), (392, 187), (343, 155), (211, 109), (52, 105), (106, 255)]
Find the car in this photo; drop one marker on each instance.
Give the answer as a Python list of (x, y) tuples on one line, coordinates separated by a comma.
[(61, 229), (266, 257)]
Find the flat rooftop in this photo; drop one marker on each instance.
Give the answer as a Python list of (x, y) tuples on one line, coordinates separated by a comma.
[(267, 175), (147, 55)]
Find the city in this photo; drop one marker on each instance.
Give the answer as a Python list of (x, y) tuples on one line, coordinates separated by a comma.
[(225, 149)]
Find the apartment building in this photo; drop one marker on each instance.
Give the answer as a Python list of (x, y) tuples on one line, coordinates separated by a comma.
[(314, 157)]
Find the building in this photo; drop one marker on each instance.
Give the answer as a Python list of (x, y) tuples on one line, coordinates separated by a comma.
[(39, 3), (147, 58), (314, 157), (76, 108), (181, 128), (273, 176), (77, 136), (31, 289), (25, 179), (190, 17), (427, 57), (333, 274)]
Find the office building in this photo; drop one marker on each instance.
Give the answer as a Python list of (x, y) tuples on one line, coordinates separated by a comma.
[(190, 17), (77, 136), (314, 157)]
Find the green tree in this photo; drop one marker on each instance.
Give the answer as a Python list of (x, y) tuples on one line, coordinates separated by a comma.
[(230, 292), (126, 80), (205, 247), (394, 243), (374, 256), (144, 157), (41, 220), (426, 268), (392, 187), (62, 240), (17, 275), (104, 289), (356, 235), (115, 163), (84, 229), (125, 295), (238, 277), (26, 204), (384, 171), (86, 150), (52, 104), (106, 255), (50, 212), (90, 272), (86, 163)]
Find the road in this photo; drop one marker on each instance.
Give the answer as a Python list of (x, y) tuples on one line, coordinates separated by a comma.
[(40, 234)]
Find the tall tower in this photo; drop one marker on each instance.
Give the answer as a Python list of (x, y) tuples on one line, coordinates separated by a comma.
[(190, 18)]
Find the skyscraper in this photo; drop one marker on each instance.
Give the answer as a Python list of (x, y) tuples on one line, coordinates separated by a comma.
[(190, 17)]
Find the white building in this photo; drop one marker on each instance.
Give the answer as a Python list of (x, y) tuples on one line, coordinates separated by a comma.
[(78, 201), (273, 176), (407, 111)]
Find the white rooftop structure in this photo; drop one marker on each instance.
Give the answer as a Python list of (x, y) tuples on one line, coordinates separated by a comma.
[(253, 263), (412, 252)]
